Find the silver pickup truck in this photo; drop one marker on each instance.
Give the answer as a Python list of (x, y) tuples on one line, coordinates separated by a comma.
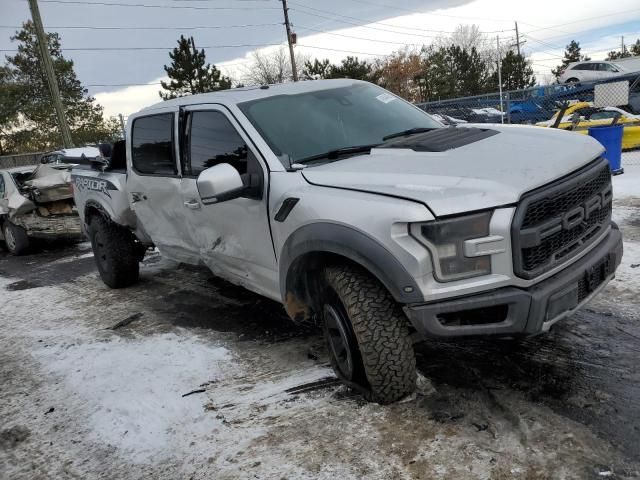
[(362, 214)]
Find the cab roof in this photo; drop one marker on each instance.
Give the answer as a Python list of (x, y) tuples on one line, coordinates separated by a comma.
[(245, 94)]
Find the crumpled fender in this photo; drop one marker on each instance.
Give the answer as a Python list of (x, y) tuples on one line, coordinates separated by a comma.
[(17, 204)]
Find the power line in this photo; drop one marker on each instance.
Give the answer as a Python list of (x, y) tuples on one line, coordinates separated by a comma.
[(144, 5), (121, 84), (204, 27), (396, 7), (121, 49), (339, 50), (368, 27), (359, 20), (573, 34), (552, 27), (358, 23), (543, 43), (356, 37), (592, 52)]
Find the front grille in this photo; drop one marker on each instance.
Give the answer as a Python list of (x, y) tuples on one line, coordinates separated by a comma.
[(556, 222)]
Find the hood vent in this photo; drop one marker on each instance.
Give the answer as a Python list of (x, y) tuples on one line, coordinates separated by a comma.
[(442, 139)]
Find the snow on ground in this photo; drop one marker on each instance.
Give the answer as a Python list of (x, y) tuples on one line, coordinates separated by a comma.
[(80, 399), (627, 184)]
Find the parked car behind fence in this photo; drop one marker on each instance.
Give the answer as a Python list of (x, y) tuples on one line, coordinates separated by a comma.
[(531, 105)]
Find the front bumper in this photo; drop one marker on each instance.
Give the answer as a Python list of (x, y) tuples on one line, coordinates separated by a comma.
[(518, 311)]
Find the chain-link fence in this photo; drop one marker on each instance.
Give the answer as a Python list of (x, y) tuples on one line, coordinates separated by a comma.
[(9, 161), (576, 107), (631, 157)]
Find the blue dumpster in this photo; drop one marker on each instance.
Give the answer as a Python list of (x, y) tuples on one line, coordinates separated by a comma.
[(611, 139)]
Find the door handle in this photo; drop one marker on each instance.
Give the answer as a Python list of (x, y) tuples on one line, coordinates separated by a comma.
[(192, 204), (137, 197)]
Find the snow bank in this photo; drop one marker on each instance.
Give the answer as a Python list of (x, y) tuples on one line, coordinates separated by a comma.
[(627, 184)]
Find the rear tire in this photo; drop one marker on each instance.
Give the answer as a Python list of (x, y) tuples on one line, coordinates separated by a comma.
[(367, 336), (572, 81), (115, 251), (15, 238)]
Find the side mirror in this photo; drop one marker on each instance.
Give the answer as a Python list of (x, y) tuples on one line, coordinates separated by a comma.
[(219, 183)]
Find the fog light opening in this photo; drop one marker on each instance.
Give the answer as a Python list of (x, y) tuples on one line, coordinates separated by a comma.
[(474, 316)]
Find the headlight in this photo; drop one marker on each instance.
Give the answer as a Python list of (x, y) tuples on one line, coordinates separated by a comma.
[(445, 239)]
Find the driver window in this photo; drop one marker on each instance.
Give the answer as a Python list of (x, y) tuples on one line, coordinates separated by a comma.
[(213, 140), (1, 186)]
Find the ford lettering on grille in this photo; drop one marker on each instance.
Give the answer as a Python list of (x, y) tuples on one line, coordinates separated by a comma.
[(556, 222)]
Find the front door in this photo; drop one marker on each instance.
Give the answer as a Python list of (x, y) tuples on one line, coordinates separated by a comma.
[(154, 186), (233, 236)]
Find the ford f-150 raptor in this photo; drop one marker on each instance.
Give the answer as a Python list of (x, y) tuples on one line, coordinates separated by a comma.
[(359, 211)]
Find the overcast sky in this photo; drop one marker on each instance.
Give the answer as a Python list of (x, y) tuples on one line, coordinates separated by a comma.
[(231, 29)]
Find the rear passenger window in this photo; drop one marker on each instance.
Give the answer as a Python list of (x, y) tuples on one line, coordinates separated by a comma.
[(213, 140), (152, 145), (1, 186)]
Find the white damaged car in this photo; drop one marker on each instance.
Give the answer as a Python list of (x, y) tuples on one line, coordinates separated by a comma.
[(36, 202)]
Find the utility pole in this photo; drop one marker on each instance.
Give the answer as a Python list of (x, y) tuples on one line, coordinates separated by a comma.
[(47, 64), (622, 45), (294, 70), (517, 39), (500, 77)]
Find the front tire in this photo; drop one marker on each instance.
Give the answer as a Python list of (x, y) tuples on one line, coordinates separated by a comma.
[(115, 251), (367, 336), (15, 238)]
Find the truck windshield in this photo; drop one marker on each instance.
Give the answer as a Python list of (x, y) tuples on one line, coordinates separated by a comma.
[(312, 123)]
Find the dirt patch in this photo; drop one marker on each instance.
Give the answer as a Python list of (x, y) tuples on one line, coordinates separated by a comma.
[(12, 436)]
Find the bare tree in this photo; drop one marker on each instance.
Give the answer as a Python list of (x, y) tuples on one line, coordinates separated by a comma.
[(400, 72), (468, 36), (271, 67)]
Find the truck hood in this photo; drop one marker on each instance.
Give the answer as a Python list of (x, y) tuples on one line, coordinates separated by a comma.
[(491, 172)]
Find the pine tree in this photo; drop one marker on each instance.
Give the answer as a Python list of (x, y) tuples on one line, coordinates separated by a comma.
[(632, 51), (516, 73), (351, 67), (572, 54), (190, 74), (454, 72), (28, 121), (317, 70)]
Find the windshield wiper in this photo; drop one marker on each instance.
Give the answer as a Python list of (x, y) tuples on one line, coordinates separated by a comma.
[(411, 131), (334, 154)]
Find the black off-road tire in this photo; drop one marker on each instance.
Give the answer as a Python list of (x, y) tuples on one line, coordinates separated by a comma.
[(15, 238), (116, 253), (384, 361)]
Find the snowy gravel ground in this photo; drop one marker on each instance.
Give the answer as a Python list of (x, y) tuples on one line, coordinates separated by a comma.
[(82, 399)]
